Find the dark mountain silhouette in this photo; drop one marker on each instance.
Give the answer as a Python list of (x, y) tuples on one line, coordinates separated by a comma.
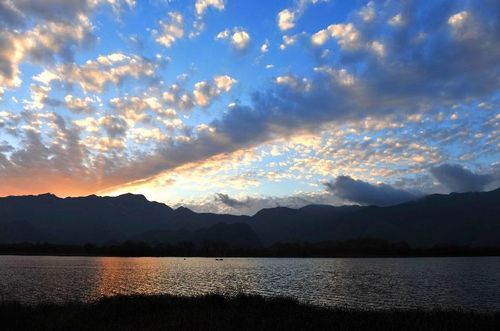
[(458, 218), (237, 235)]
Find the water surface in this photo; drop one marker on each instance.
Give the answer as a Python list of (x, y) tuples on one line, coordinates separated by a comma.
[(471, 283)]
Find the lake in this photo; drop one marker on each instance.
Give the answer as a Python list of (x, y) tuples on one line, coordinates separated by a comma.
[(471, 283)]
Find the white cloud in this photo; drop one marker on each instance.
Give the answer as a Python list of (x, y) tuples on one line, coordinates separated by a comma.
[(12, 51), (223, 35), (458, 20), (240, 40), (141, 135), (378, 48), (89, 124), (320, 37), (238, 37), (79, 105), (397, 20), (202, 5), (339, 76), (170, 30), (464, 26), (286, 19), (44, 32), (94, 75), (264, 48), (347, 35), (40, 44), (290, 40), (204, 92), (367, 13), (294, 82), (224, 83)]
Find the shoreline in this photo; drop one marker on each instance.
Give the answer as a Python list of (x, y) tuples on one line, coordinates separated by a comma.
[(241, 312), (250, 256)]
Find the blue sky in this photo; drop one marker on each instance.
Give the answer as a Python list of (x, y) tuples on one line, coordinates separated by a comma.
[(232, 106)]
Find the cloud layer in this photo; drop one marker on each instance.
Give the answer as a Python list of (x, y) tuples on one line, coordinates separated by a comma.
[(459, 179), (96, 98), (364, 193)]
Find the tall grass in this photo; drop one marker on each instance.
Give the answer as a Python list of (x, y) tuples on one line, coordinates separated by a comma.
[(214, 312)]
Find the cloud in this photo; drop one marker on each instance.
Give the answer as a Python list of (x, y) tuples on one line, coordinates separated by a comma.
[(95, 75), (10, 15), (264, 48), (294, 82), (347, 35), (397, 20), (249, 205), (179, 97), (368, 13), (41, 44), (44, 31), (141, 135), (426, 66), (11, 54), (134, 109), (287, 17), (291, 40), (46, 41), (231, 202), (114, 126), (378, 48), (55, 10), (458, 20), (79, 105), (63, 154), (8, 119), (364, 193), (435, 72), (170, 30), (463, 26), (224, 83), (459, 179), (204, 92), (237, 37), (202, 5)]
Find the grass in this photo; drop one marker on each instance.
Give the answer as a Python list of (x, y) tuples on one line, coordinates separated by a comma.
[(214, 312)]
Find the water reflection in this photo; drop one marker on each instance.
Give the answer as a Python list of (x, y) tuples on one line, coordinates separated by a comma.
[(470, 283)]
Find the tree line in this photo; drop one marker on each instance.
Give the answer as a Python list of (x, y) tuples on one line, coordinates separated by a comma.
[(363, 247)]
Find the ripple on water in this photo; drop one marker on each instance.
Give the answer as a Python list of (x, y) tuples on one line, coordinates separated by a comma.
[(469, 283)]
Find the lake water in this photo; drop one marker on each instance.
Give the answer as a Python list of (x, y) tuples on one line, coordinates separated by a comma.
[(471, 283)]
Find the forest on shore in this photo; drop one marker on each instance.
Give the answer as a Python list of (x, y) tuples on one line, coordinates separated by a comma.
[(362, 247)]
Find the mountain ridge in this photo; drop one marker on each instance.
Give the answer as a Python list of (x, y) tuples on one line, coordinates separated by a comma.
[(471, 218)]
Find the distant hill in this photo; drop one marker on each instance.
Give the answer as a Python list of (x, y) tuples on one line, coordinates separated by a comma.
[(458, 218), (238, 235)]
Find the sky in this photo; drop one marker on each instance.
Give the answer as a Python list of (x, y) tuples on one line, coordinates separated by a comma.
[(231, 106)]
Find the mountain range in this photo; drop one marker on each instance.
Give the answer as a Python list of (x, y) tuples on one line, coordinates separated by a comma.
[(458, 218)]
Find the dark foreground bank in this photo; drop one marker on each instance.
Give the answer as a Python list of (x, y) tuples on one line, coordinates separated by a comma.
[(215, 312)]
